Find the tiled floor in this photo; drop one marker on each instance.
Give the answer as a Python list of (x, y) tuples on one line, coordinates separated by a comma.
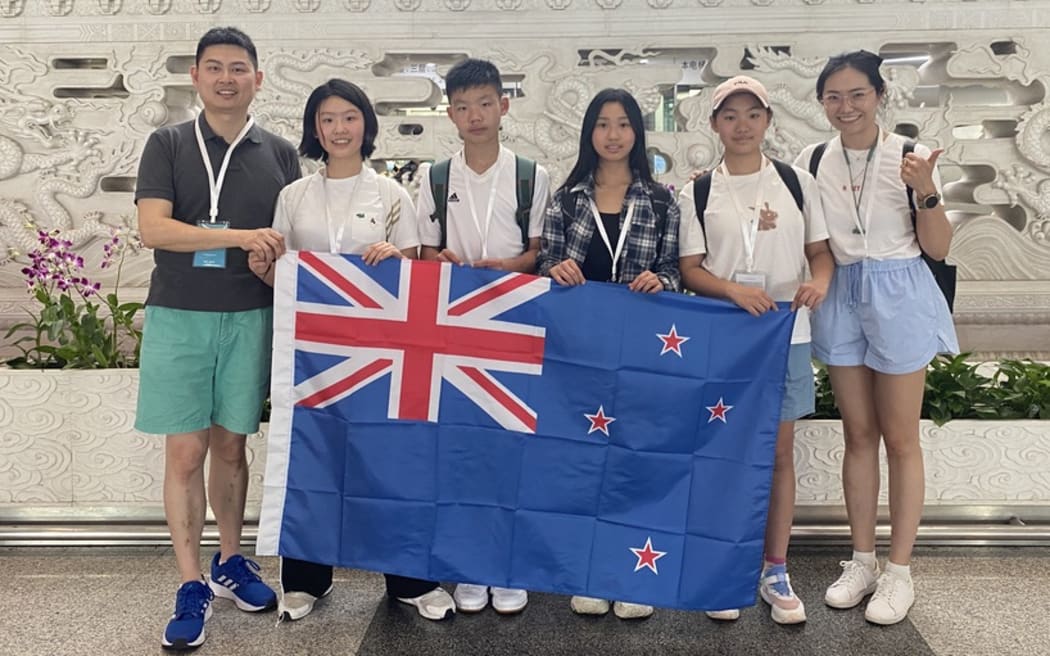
[(972, 602)]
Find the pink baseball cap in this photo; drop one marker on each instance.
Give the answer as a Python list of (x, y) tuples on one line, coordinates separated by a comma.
[(740, 84)]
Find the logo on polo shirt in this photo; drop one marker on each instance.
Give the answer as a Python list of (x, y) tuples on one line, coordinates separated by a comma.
[(453, 198)]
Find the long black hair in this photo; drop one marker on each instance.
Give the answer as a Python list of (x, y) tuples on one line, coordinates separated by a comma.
[(587, 160), (860, 60), (310, 145)]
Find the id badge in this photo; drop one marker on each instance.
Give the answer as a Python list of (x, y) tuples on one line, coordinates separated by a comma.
[(216, 257), (750, 279)]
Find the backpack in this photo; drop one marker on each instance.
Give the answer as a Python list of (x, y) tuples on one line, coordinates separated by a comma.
[(524, 183), (702, 190), (659, 196), (943, 273)]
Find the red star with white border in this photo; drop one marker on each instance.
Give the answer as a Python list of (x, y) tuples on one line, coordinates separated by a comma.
[(672, 341), (599, 421), (647, 556), (718, 411)]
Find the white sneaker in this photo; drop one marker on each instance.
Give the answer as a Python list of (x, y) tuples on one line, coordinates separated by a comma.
[(892, 600), (727, 615), (297, 605), (589, 606), (856, 582), (434, 605), (471, 598), (625, 610), (784, 605), (507, 601)]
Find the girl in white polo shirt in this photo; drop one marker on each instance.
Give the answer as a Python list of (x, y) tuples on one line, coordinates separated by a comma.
[(883, 321), (346, 207), (753, 248)]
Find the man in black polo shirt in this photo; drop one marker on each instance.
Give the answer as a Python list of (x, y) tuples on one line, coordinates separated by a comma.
[(206, 193)]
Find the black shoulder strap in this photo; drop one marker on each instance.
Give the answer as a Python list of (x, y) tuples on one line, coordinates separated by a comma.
[(525, 183), (439, 190), (790, 178), (701, 192), (909, 147), (814, 158)]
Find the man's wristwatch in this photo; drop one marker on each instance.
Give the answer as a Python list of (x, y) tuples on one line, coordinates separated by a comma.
[(930, 202)]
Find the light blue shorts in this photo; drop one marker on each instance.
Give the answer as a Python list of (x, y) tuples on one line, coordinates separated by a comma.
[(888, 315), (799, 393), (203, 368)]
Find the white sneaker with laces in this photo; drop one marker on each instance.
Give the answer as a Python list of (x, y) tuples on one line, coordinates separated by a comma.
[(588, 605), (434, 605), (297, 605), (508, 601), (625, 610), (471, 598), (892, 600), (727, 615), (856, 582)]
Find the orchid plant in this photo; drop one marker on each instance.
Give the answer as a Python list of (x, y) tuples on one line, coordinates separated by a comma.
[(76, 325)]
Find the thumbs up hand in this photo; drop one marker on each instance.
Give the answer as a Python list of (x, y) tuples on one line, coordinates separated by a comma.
[(917, 172)]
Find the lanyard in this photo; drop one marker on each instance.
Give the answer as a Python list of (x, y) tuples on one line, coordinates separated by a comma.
[(623, 232), (483, 232), (863, 224), (335, 237), (748, 226), (215, 184)]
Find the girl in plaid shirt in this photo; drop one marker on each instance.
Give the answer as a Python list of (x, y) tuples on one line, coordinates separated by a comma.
[(611, 221)]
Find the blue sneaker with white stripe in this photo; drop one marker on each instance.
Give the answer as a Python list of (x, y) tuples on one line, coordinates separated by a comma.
[(238, 580), (185, 629)]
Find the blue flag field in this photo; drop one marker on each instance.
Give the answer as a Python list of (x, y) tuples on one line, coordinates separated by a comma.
[(468, 425)]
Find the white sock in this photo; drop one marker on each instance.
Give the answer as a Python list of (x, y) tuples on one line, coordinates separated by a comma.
[(903, 571), (866, 558)]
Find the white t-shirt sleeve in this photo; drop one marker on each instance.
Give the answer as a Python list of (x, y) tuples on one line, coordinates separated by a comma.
[(541, 196), (282, 222), (406, 231), (429, 231), (812, 208), (690, 235)]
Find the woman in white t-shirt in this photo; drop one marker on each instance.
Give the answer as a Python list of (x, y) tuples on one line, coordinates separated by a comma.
[(346, 207), (753, 248), (882, 323)]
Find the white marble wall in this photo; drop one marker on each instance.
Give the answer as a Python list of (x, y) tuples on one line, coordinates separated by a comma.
[(83, 83)]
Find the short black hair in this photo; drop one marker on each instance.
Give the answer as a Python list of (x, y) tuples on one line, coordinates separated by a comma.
[(227, 36), (471, 73), (860, 60), (310, 146)]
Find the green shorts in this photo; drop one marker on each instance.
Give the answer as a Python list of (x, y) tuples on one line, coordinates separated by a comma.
[(203, 368)]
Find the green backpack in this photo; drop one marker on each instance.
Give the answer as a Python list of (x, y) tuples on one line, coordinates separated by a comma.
[(525, 182)]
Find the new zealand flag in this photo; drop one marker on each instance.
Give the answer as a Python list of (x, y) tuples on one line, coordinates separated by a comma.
[(467, 425)]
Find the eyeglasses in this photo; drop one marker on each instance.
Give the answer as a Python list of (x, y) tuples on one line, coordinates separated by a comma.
[(854, 97)]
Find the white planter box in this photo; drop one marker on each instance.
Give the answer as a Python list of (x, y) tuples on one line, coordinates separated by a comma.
[(68, 450), (968, 462)]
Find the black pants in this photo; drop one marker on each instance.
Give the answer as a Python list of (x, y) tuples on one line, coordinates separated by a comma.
[(315, 579)]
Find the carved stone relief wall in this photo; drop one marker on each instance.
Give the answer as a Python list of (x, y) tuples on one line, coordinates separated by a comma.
[(84, 82)]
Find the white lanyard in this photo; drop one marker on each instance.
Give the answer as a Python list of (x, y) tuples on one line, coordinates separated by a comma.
[(748, 225), (623, 232), (483, 232), (863, 224), (215, 184), (335, 237)]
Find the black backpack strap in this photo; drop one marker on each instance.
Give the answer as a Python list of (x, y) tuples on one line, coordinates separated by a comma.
[(790, 178), (701, 192), (909, 147), (524, 184), (815, 156), (439, 190)]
